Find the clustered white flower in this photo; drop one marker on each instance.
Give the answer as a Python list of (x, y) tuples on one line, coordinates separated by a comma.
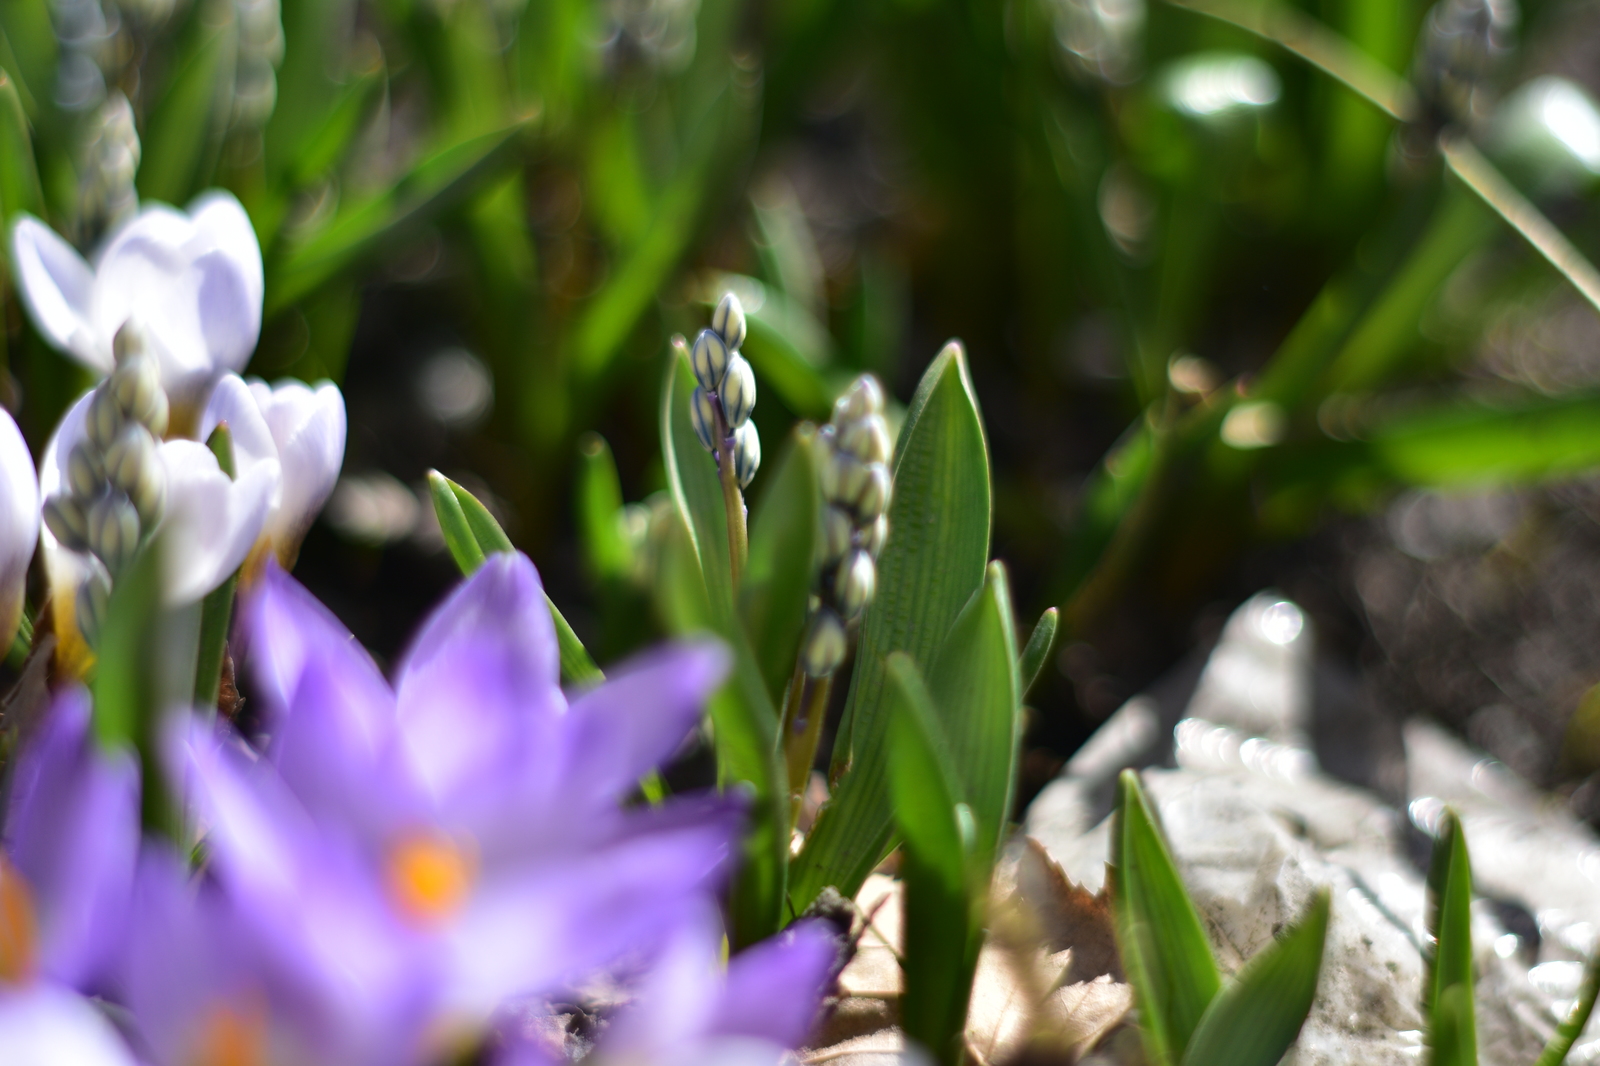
[(722, 403), (169, 310), (854, 450)]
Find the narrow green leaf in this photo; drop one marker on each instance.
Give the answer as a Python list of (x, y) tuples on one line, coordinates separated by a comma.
[(1163, 943), (943, 931), (931, 566), (776, 586), (186, 125), (1037, 651), (696, 490), (979, 707), (1555, 1052), (472, 535), (1450, 925), (216, 610), (1253, 1021), (606, 548), (1452, 1036), (19, 175)]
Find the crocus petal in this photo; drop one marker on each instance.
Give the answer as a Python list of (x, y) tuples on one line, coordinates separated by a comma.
[(634, 721), (229, 258), (19, 524), (64, 570), (72, 831), (309, 428), (233, 402), (480, 687), (212, 521), (775, 988), (41, 1025), (57, 286), (146, 273)]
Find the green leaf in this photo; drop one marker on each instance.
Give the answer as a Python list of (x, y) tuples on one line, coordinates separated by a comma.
[(1452, 1036), (1450, 926), (438, 184), (979, 706), (1253, 1021), (776, 586), (696, 490), (1037, 651), (606, 547), (472, 535), (1473, 443), (931, 565), (19, 176), (1163, 943), (185, 127), (1555, 1052), (943, 891)]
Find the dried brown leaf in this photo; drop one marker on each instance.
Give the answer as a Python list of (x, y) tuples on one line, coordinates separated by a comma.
[(1069, 916)]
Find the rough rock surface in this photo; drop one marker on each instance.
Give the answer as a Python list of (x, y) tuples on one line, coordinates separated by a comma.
[(1256, 828)]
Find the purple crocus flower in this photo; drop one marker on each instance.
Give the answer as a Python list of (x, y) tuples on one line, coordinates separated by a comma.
[(411, 857), (690, 1010), (72, 833)]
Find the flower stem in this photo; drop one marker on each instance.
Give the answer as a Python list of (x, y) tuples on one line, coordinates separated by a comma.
[(804, 711), (732, 499)]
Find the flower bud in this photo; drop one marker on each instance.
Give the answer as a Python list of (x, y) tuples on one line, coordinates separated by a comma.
[(103, 420), (703, 416), (728, 321), (113, 530), (824, 646), (136, 385), (854, 583), (836, 527), (709, 359), (866, 438), (86, 471), (94, 595), (864, 397), (874, 535), (133, 466), (746, 453), (738, 391), (129, 341), (872, 499), (67, 521), (843, 478)]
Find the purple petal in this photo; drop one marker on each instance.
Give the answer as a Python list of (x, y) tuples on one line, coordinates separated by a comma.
[(480, 687), (73, 833), (775, 987), (634, 721)]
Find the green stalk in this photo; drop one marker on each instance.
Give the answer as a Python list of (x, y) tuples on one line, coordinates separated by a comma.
[(1555, 1052), (803, 715), (732, 499), (217, 608)]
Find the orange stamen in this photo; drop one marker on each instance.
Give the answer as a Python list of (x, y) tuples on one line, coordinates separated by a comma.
[(429, 878), (19, 940)]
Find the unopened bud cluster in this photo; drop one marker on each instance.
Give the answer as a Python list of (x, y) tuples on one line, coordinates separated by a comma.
[(106, 191), (255, 90), (722, 402), (853, 450), (115, 488)]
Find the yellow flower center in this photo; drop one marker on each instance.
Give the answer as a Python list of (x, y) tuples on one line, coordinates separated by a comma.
[(231, 1037), (429, 878), (18, 931)]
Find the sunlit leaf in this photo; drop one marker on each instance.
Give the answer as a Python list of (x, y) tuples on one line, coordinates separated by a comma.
[(776, 586)]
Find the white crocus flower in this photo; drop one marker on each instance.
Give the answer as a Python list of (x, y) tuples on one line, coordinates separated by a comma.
[(193, 281), (211, 520), (307, 427), (19, 525), (44, 1025)]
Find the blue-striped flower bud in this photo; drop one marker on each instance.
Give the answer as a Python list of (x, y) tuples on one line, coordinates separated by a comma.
[(709, 359), (103, 420), (86, 471), (703, 417), (68, 521), (864, 397), (136, 386), (746, 453), (843, 477), (873, 536), (824, 645), (866, 438), (872, 498), (836, 531), (854, 583), (728, 321), (113, 530), (738, 391), (134, 467), (94, 595)]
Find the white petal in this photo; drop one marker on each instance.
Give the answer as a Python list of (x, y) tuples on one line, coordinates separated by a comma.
[(57, 287), (212, 522), (309, 428), (226, 250), (147, 273), (234, 402), (19, 523), (41, 1025)]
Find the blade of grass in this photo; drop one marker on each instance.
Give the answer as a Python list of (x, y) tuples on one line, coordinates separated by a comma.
[(1577, 1019), (1450, 926), (1253, 1021), (776, 587), (1163, 943), (19, 175), (607, 550), (1452, 1034)]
